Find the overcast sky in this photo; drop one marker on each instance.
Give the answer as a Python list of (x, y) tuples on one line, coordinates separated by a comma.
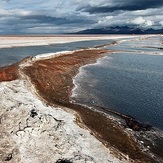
[(62, 16)]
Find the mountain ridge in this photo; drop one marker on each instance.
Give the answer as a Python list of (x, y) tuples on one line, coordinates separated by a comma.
[(120, 30)]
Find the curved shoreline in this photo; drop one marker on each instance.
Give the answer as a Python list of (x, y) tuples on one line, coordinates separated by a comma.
[(32, 131), (66, 67), (52, 78)]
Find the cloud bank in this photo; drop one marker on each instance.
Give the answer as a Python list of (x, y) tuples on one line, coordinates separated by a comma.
[(59, 16)]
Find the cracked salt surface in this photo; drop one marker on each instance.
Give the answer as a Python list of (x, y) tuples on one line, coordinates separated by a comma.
[(33, 132)]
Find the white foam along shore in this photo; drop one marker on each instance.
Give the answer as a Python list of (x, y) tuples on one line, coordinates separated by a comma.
[(34, 132), (20, 41)]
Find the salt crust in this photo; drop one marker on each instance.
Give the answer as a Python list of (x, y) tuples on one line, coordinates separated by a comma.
[(9, 42), (50, 135)]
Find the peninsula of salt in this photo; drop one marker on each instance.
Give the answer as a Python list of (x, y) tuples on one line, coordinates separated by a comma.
[(37, 128)]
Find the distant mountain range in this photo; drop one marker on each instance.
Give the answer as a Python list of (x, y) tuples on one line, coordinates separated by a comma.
[(121, 30)]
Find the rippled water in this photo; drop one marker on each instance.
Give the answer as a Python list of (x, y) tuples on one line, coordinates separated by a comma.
[(128, 81)]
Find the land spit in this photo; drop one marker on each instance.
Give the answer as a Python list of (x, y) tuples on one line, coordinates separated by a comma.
[(51, 79)]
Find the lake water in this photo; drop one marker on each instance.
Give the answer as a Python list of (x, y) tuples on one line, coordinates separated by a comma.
[(12, 55), (129, 81)]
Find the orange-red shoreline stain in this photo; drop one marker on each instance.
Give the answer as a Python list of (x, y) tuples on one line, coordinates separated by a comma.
[(53, 81), (9, 73)]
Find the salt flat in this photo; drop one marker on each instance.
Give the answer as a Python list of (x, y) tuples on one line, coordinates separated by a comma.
[(31, 131), (15, 41), (34, 132)]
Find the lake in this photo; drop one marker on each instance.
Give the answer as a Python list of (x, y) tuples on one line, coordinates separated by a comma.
[(129, 81)]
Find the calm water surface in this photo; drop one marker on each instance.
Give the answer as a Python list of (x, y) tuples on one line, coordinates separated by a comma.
[(12, 55), (129, 82)]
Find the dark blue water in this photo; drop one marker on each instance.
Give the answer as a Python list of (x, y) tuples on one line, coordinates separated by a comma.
[(130, 83), (12, 55)]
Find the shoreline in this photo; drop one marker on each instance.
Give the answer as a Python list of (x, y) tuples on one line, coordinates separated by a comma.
[(23, 41), (53, 81), (31, 131), (28, 126), (100, 125)]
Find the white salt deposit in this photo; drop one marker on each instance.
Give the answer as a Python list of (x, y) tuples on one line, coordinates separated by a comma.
[(31, 131), (34, 132), (9, 42)]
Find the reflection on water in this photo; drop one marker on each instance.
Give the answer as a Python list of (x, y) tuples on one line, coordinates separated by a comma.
[(130, 83)]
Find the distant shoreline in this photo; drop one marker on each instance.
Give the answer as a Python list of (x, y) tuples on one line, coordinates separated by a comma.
[(23, 41), (68, 35)]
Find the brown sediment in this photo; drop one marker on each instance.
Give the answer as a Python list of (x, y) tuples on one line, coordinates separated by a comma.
[(53, 80), (54, 76), (131, 122), (9, 73)]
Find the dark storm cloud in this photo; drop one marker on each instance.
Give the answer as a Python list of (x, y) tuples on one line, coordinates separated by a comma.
[(73, 15), (20, 23), (131, 5), (52, 20)]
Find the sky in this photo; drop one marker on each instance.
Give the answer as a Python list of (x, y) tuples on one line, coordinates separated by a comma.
[(68, 16)]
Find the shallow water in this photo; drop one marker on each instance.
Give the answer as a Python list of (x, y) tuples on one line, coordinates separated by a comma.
[(128, 82), (12, 55)]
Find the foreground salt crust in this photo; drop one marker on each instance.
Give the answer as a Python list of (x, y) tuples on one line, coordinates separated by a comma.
[(34, 132)]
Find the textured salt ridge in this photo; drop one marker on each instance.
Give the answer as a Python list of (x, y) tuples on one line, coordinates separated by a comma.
[(34, 132)]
